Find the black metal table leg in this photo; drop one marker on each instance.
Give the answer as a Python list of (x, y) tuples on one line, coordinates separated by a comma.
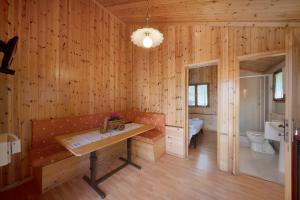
[(129, 158), (92, 180), (195, 141)]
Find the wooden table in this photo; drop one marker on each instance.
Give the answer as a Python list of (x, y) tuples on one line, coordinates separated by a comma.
[(92, 147)]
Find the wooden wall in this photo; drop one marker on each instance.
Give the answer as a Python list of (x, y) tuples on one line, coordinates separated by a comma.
[(207, 75), (76, 58), (159, 73), (133, 11), (245, 41), (71, 60)]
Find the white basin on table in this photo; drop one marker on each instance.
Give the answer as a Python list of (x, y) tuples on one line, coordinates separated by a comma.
[(274, 131)]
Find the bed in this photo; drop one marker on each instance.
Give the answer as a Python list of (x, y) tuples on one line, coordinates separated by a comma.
[(195, 126)]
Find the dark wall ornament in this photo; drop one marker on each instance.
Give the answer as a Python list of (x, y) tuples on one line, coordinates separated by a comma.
[(9, 50)]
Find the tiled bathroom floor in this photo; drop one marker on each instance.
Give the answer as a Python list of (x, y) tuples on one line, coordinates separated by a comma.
[(260, 165)]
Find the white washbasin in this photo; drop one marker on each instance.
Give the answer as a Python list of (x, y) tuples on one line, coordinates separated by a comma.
[(273, 131)]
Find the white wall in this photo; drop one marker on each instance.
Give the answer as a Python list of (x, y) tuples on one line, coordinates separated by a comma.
[(252, 103), (256, 100)]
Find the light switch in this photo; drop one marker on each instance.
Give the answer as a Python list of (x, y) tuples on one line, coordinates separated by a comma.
[(15, 146), (4, 150)]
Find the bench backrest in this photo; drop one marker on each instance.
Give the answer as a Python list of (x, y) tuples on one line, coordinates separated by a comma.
[(151, 118), (44, 131)]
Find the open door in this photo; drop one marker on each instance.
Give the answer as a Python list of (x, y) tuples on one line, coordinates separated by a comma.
[(292, 115)]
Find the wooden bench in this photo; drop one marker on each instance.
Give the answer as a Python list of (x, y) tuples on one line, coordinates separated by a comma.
[(150, 145), (52, 164)]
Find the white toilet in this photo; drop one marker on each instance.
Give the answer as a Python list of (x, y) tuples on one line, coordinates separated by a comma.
[(259, 143)]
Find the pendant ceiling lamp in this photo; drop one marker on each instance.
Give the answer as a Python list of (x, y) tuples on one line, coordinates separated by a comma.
[(147, 37)]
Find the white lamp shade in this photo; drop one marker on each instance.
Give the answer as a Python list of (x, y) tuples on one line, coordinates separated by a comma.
[(145, 36), (147, 42)]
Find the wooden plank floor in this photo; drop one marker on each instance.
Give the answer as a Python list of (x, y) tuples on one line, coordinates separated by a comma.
[(169, 178)]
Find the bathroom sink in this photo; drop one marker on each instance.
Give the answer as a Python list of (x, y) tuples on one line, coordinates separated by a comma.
[(274, 130)]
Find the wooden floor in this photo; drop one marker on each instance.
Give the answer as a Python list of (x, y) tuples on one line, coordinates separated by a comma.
[(169, 178)]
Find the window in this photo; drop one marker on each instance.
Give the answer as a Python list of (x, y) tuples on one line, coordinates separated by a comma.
[(198, 95), (192, 95), (202, 95), (278, 86)]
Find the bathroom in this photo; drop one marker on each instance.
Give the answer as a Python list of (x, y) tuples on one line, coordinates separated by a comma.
[(262, 111)]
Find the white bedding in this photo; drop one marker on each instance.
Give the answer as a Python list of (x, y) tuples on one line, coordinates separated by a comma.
[(195, 125)]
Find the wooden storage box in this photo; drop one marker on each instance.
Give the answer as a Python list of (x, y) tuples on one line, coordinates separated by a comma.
[(175, 141)]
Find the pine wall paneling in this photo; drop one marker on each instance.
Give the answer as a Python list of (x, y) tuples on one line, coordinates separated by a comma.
[(76, 58), (247, 41), (133, 11), (71, 60), (182, 45), (192, 44)]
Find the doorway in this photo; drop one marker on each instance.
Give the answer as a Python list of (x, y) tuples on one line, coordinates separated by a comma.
[(201, 115), (262, 114), (292, 99)]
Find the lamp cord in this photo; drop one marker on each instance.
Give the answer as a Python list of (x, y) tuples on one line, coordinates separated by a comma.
[(147, 18)]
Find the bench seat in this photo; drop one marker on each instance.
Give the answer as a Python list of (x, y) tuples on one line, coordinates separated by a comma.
[(51, 163), (151, 144), (51, 153), (150, 137)]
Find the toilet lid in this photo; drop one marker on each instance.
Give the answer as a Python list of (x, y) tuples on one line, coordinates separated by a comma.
[(255, 132)]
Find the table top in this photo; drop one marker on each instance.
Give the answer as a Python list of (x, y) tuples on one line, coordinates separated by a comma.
[(81, 150)]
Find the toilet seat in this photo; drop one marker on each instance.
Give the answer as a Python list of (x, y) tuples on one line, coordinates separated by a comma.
[(259, 143), (256, 133), (256, 136)]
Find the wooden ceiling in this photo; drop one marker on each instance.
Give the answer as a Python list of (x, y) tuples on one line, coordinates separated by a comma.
[(261, 65), (133, 11)]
